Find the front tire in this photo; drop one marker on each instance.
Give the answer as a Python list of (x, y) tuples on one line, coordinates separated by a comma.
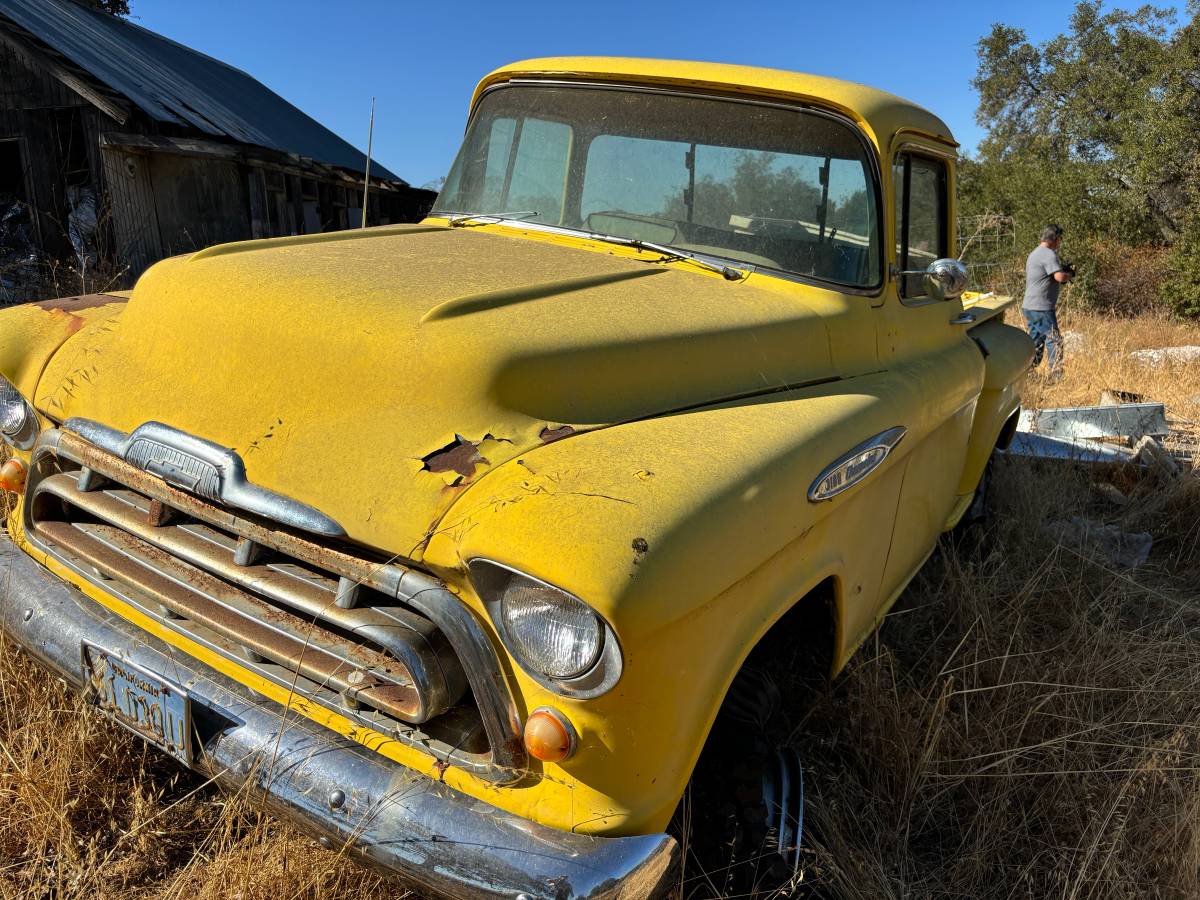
[(747, 800)]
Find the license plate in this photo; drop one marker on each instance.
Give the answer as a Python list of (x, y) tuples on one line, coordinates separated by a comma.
[(142, 701)]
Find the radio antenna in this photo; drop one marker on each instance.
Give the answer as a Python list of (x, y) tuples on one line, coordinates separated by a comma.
[(367, 174)]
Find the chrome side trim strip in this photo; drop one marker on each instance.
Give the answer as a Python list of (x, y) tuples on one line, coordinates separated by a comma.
[(202, 468), (394, 818)]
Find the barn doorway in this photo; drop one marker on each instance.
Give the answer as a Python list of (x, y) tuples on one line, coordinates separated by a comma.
[(19, 256)]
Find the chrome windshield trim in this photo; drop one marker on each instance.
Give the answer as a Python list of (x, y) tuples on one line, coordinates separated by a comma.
[(728, 267)]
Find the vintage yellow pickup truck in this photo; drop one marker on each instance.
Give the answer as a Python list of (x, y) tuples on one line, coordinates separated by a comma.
[(452, 537)]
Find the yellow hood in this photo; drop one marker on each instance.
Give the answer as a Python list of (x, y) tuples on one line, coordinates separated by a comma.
[(375, 375)]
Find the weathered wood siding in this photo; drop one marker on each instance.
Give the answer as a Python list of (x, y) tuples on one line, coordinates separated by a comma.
[(162, 192), (200, 202), (134, 217), (32, 107)]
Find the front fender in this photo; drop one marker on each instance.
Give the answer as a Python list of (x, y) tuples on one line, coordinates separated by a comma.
[(1007, 352), (691, 534), (32, 333)]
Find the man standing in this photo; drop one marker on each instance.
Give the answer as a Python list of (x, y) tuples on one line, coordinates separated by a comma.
[(1044, 272)]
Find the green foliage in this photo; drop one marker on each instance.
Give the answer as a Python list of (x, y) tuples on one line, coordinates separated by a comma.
[(1094, 129), (1180, 291)]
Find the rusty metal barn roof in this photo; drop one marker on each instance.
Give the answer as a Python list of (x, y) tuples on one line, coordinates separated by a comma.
[(176, 84)]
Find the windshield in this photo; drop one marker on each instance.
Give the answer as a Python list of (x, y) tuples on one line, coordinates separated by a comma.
[(772, 187)]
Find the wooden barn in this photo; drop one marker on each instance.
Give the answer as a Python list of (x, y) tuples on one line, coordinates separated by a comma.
[(119, 147)]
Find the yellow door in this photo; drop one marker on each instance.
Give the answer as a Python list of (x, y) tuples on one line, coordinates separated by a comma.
[(922, 344)]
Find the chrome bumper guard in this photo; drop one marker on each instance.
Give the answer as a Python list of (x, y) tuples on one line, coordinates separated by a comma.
[(384, 814)]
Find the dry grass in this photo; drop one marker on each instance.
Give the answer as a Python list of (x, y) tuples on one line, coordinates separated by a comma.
[(1098, 358), (1024, 724), (88, 811)]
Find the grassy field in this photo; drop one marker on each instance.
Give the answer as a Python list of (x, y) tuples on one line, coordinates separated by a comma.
[(1024, 724)]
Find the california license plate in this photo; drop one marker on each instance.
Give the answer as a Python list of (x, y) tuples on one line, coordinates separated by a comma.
[(142, 701)]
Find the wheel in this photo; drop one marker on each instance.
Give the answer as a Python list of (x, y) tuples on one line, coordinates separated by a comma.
[(980, 509), (747, 799)]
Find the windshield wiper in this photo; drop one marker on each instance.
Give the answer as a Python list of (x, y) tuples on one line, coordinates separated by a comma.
[(666, 252), (669, 254), (467, 219)]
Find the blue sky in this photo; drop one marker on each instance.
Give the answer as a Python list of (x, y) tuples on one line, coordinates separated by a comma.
[(422, 60)]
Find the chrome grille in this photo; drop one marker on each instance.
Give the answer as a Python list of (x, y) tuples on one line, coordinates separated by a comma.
[(318, 620)]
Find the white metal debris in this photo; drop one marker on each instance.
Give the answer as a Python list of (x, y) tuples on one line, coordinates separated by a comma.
[(1131, 421), (1027, 443), (1151, 454)]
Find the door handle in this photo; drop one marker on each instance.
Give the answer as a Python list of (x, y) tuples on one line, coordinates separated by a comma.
[(963, 319)]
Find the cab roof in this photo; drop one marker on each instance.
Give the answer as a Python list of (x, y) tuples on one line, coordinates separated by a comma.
[(881, 114)]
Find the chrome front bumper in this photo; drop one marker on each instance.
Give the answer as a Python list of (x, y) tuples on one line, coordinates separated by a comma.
[(394, 818)]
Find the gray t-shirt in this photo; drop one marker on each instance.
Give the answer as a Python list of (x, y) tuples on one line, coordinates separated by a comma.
[(1041, 290)]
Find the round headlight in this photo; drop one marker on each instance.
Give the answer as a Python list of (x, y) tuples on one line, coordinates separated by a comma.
[(553, 632), (14, 411)]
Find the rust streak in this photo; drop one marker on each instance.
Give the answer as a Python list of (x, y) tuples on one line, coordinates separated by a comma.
[(269, 534), (72, 322), (214, 604), (158, 513)]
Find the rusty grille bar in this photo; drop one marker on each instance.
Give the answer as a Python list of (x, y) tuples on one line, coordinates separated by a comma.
[(411, 639), (357, 673)]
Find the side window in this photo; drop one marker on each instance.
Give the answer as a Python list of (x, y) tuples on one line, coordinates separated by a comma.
[(920, 217)]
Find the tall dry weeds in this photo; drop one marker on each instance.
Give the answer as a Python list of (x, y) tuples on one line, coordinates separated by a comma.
[(89, 811), (1025, 724)]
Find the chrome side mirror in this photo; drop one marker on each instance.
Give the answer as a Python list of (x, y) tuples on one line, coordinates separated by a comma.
[(945, 279)]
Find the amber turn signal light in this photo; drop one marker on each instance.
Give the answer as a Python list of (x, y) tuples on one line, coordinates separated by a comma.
[(12, 476), (549, 736)]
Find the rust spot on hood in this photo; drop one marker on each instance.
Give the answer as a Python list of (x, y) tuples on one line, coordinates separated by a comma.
[(64, 309), (78, 302), (640, 548), (70, 321), (550, 435), (460, 455)]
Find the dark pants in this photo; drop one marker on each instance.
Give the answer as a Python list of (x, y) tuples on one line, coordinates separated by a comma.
[(1042, 325)]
